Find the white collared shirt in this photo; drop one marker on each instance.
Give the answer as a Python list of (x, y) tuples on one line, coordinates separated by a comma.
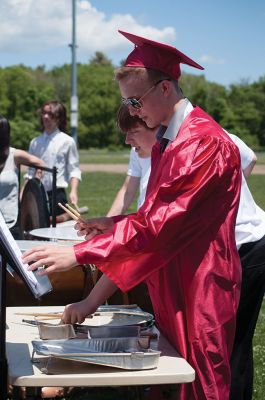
[(140, 167), (58, 150), (171, 132)]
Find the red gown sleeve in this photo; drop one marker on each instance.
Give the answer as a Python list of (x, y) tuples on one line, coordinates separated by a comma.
[(189, 195)]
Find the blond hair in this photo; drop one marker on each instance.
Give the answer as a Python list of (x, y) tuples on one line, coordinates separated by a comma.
[(151, 75)]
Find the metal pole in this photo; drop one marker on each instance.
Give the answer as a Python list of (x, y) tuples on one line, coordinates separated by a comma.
[(54, 177), (74, 98)]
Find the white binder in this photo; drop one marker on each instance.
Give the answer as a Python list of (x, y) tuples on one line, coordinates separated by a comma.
[(38, 285)]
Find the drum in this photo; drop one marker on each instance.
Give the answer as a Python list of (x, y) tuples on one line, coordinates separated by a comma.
[(68, 286), (34, 212)]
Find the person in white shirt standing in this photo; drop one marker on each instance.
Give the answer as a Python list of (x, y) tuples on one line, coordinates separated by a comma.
[(57, 149), (250, 240)]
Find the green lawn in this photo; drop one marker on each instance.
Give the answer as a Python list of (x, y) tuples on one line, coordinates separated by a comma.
[(98, 190), (104, 156)]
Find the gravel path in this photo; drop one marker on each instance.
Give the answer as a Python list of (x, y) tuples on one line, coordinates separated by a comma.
[(122, 168), (118, 168), (259, 170)]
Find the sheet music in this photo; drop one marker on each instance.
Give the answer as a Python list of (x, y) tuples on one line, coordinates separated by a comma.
[(39, 285)]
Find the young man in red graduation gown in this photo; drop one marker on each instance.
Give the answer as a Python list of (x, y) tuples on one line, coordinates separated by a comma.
[(181, 242)]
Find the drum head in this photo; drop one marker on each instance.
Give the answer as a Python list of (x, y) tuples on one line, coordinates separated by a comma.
[(34, 211)]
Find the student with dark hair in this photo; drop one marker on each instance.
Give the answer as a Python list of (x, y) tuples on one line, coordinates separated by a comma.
[(10, 158), (57, 149), (141, 139)]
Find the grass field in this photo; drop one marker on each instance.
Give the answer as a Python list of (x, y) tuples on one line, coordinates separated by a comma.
[(97, 191), (104, 156)]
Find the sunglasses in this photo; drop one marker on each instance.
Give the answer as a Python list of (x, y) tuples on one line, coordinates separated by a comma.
[(136, 103)]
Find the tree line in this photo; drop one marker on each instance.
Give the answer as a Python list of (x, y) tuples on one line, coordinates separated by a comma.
[(239, 108)]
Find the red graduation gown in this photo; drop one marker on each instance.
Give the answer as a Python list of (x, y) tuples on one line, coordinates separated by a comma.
[(182, 243)]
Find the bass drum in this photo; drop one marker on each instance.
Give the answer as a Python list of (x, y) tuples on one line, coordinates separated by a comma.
[(68, 287), (34, 212)]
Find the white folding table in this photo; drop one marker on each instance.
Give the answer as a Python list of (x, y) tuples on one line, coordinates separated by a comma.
[(172, 369)]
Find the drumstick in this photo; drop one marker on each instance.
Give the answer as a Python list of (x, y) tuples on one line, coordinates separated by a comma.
[(48, 315), (44, 316), (71, 213), (75, 207), (76, 212)]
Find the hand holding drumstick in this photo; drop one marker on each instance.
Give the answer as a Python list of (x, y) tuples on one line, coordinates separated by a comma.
[(91, 227)]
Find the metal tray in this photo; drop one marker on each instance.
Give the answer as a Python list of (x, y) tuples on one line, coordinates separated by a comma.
[(108, 331), (126, 353), (66, 331), (50, 331)]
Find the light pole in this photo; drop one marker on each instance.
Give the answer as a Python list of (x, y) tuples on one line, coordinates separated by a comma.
[(74, 98)]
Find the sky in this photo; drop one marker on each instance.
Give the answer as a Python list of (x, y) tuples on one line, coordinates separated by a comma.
[(227, 37)]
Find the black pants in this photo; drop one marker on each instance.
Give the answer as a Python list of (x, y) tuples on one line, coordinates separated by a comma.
[(61, 197), (252, 257)]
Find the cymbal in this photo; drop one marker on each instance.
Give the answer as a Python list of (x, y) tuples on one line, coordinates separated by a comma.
[(58, 232)]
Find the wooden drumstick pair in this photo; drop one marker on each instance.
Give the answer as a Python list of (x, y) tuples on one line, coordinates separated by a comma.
[(74, 214)]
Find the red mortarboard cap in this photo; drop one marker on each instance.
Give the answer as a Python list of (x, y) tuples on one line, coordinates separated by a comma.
[(155, 55)]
